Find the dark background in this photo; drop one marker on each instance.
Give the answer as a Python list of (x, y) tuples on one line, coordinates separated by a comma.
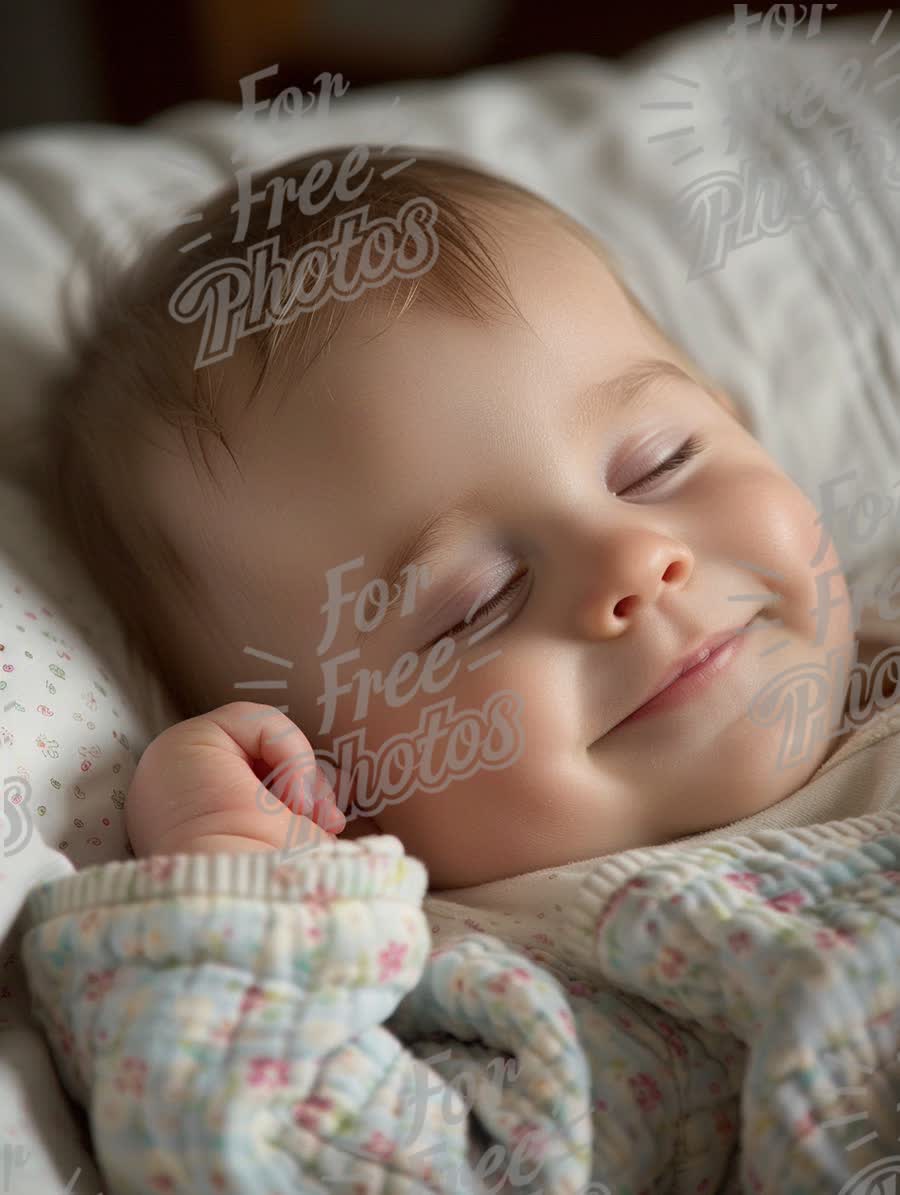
[(125, 60)]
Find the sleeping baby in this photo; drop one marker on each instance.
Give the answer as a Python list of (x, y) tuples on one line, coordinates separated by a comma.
[(569, 763)]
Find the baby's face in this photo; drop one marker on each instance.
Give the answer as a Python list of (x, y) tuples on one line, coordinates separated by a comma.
[(599, 578)]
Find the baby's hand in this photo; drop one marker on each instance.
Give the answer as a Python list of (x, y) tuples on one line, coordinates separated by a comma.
[(206, 785)]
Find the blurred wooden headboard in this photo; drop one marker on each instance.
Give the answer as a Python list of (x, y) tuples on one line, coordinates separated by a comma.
[(157, 55)]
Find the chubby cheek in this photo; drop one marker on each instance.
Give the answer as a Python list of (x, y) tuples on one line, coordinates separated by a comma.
[(794, 557), (494, 745)]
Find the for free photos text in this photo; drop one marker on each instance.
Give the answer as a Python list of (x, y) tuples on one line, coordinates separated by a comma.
[(488, 738), (724, 210), (757, 98), (238, 295), (810, 698), (458, 1097)]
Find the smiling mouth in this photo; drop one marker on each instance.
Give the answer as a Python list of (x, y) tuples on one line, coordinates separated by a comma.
[(694, 674)]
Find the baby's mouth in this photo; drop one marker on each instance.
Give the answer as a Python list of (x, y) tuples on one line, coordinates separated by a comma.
[(691, 675)]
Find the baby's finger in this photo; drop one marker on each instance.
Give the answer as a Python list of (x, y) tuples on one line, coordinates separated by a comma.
[(287, 764)]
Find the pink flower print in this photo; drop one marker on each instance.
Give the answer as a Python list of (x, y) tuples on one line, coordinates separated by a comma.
[(645, 1091), (740, 941), (132, 1076), (748, 880), (321, 896), (673, 1039), (845, 935), (614, 901), (268, 1072), (804, 1126), (94, 750), (623, 1021), (787, 901), (724, 1125), (308, 1114), (390, 960), (253, 998), (158, 867), (566, 1017), (501, 982), (98, 984), (162, 1182), (883, 1018), (578, 988), (532, 1140), (671, 962), (379, 1146), (49, 748)]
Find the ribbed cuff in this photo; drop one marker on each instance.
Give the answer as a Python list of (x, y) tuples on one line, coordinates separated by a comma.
[(370, 867)]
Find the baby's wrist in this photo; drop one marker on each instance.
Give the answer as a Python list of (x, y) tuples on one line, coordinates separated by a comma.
[(211, 844)]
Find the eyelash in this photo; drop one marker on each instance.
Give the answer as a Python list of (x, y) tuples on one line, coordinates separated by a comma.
[(501, 598), (688, 450)]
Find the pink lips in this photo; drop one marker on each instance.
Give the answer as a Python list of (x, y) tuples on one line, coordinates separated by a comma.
[(690, 676)]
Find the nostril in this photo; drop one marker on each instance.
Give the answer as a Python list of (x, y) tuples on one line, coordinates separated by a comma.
[(621, 608), (671, 573)]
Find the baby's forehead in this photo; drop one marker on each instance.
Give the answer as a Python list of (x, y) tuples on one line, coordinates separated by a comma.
[(566, 293), (549, 252), (568, 298)]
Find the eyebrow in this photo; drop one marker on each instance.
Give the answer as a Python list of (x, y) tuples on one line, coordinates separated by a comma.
[(425, 545)]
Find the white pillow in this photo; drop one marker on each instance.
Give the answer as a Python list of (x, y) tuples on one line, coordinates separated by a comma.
[(76, 705)]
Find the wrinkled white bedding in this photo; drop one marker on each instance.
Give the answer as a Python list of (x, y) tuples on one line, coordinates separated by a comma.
[(797, 325)]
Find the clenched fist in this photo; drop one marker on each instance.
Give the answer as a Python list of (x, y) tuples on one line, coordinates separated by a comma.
[(240, 778)]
